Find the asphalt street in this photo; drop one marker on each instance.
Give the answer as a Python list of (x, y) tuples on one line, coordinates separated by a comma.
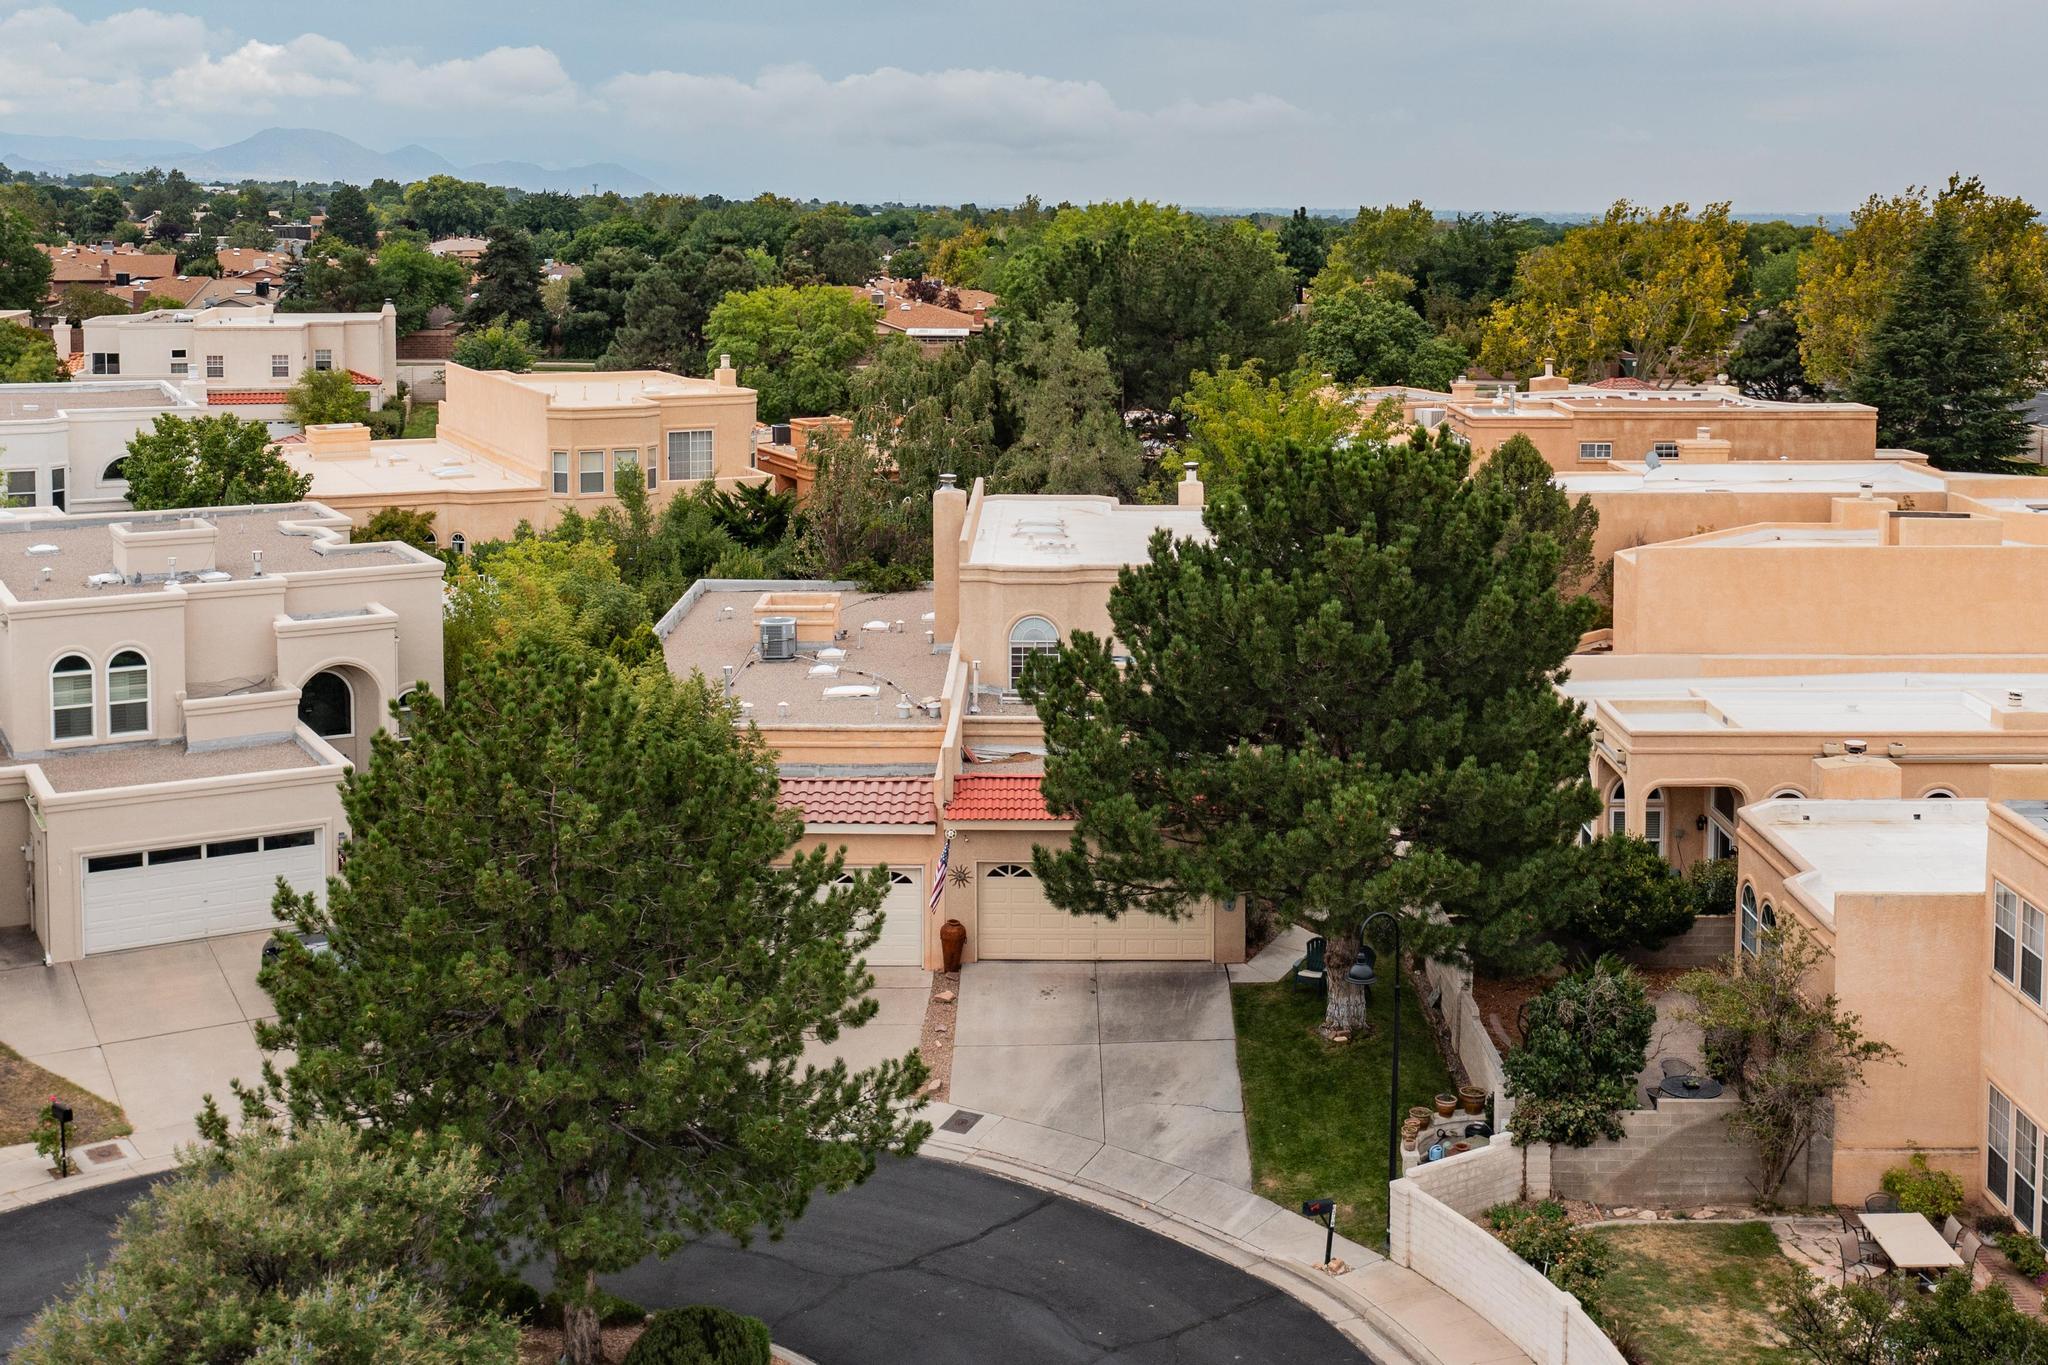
[(927, 1262)]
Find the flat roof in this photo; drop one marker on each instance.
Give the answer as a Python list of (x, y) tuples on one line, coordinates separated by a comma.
[(134, 765), (1032, 531), (41, 402), (425, 468), (291, 537), (1924, 848), (1836, 705), (616, 388), (1767, 476), (719, 632)]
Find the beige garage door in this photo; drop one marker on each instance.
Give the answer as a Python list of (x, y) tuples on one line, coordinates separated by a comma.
[(1017, 921)]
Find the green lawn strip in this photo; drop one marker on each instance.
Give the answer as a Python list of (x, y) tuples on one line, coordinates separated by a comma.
[(1698, 1295), (25, 1088), (1316, 1112), (422, 421)]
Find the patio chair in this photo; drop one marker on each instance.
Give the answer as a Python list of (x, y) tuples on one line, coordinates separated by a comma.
[(1880, 1203), (1309, 970), (1951, 1230), (1857, 1263), (1967, 1247)]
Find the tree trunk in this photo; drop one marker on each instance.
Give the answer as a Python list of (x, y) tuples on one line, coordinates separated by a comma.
[(1344, 1004), (581, 1342)]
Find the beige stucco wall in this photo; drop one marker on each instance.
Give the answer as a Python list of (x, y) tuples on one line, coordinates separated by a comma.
[(246, 339), (2013, 1028), (881, 846), (1795, 432)]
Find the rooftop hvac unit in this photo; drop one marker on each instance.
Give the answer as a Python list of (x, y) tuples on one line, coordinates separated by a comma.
[(778, 638), (779, 434)]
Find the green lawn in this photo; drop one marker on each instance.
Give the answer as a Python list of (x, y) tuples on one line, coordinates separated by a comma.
[(1316, 1112), (25, 1088), (422, 421), (1697, 1295)]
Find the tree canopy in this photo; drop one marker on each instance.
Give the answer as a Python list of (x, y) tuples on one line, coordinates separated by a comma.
[(218, 461), (563, 936), (793, 345), (1234, 414), (28, 357), (24, 269), (319, 396), (350, 218), (498, 346), (507, 282)]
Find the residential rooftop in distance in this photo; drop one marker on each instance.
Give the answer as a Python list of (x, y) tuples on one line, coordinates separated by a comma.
[(42, 402), (1826, 704), (1069, 532), (1813, 476), (1877, 847), (619, 388)]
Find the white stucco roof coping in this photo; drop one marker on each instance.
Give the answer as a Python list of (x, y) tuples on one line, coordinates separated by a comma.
[(1930, 703), (1797, 476), (1066, 532), (1925, 848)]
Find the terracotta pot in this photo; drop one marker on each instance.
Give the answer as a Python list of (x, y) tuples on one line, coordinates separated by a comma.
[(1473, 1098), (952, 939), (1446, 1105), (1419, 1113), (1458, 1147)]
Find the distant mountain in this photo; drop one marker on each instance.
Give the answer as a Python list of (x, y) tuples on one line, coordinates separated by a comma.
[(297, 154)]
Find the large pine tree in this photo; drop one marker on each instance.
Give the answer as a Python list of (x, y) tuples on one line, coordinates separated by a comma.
[(561, 937), (1944, 379), (1339, 704), (507, 283)]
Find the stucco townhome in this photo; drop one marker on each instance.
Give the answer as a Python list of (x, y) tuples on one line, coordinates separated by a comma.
[(182, 694), (900, 734), (528, 447), (243, 360), (1932, 914), (62, 445)]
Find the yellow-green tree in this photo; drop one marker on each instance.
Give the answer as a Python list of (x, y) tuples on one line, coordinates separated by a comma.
[(962, 261), (1847, 280), (1380, 242), (1234, 414), (1655, 284)]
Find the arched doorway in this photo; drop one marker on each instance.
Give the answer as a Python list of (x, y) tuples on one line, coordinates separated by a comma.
[(339, 704)]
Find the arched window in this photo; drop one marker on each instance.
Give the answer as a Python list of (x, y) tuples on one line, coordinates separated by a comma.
[(71, 698), (327, 705), (128, 694), (1766, 920), (1617, 809), (458, 543), (1789, 794), (1032, 635), (1939, 794), (1749, 919), (1653, 814), (117, 472)]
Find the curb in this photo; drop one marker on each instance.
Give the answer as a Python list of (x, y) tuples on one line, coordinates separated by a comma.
[(1361, 1320), (77, 1184)]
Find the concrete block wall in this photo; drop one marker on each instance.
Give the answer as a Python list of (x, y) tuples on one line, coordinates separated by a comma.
[(1431, 1237), (1680, 1153), (1708, 943), (1469, 1038)]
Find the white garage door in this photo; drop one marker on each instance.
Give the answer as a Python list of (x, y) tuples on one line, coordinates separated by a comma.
[(163, 895), (902, 940), (1017, 921)]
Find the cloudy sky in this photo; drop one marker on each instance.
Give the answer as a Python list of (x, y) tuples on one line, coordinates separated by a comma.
[(1779, 105)]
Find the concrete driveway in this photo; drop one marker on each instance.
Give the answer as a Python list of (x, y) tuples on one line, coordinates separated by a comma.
[(152, 1029), (1139, 1058)]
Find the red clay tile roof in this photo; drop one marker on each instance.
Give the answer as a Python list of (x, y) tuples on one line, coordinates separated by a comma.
[(363, 381), (978, 797), (860, 800), (930, 316), (242, 398)]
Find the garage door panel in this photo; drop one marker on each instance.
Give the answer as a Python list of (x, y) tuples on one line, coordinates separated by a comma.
[(1018, 922), (133, 907), (902, 941)]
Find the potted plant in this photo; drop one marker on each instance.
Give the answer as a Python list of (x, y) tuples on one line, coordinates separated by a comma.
[(1446, 1105)]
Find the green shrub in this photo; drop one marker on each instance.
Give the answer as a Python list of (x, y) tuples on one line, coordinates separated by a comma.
[(1918, 1189), (1570, 1257), (1583, 1046), (2025, 1253), (501, 1295), (1638, 901), (1710, 883), (1994, 1225), (701, 1335), (612, 1311)]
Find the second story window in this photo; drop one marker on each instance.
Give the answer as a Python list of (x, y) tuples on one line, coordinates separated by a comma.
[(216, 367), (590, 471), (109, 362), (71, 698), (323, 359), (280, 366), (21, 488), (1665, 450), (128, 694), (689, 454), (178, 364), (1032, 635), (561, 468), (2019, 940), (1596, 450)]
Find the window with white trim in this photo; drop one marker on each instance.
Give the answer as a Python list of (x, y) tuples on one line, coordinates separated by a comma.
[(590, 471), (653, 466), (2033, 932), (561, 468), (109, 362), (71, 698), (1032, 635), (689, 454), (216, 367), (1596, 450), (1749, 920), (128, 694), (459, 543), (1664, 450), (625, 467), (2005, 932), (280, 366), (323, 359), (2026, 1143), (59, 479), (1653, 814), (1998, 1148), (178, 363), (21, 487)]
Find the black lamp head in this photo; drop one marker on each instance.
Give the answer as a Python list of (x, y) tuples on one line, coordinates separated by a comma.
[(1318, 1208)]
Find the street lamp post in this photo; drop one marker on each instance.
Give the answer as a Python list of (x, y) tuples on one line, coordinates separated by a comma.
[(1362, 975)]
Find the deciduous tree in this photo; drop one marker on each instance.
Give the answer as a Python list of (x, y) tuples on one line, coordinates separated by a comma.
[(405, 524), (1235, 413), (794, 346), (1326, 708), (498, 346), (218, 461), (27, 357), (597, 973), (24, 269), (320, 396), (1583, 1044), (1361, 336)]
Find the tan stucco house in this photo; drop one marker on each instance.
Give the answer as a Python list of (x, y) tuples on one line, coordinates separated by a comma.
[(183, 693), (242, 360)]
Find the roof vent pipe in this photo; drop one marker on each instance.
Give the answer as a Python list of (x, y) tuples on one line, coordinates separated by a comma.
[(1865, 489), (1855, 746), (2015, 699), (949, 480), (256, 556)]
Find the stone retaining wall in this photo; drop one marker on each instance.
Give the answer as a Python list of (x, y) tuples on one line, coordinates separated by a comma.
[(1679, 1154), (1708, 943)]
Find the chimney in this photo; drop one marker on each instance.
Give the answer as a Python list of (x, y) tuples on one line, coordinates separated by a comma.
[(726, 375), (1550, 381), (949, 519), (1188, 492)]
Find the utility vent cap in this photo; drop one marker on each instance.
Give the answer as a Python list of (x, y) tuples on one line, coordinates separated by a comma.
[(778, 638), (42, 549)]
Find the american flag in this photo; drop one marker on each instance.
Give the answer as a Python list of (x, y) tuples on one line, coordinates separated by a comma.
[(939, 876)]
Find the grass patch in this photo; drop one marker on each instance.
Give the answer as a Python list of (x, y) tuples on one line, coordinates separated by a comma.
[(423, 421), (25, 1088), (1316, 1112), (1697, 1295)]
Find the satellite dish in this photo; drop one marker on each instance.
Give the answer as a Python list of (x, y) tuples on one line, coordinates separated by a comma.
[(1652, 459)]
